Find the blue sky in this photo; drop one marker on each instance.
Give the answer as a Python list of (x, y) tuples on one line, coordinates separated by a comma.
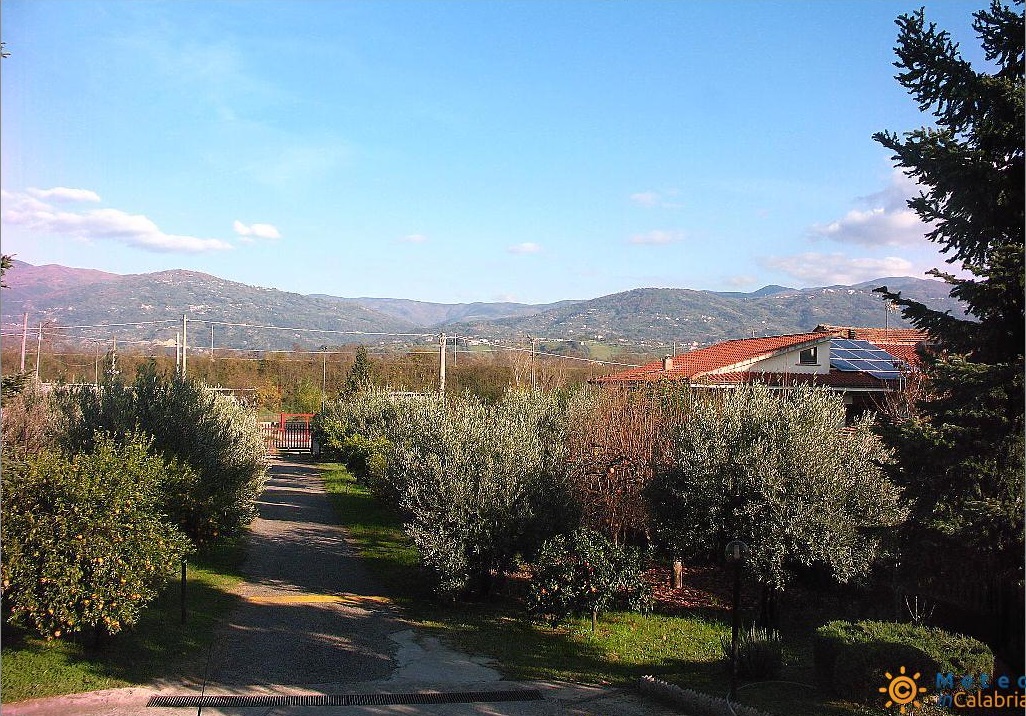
[(463, 151)]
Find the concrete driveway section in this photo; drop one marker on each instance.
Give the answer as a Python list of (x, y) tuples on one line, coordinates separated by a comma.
[(315, 636)]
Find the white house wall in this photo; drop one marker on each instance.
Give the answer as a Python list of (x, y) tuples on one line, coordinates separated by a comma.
[(784, 362), (788, 363)]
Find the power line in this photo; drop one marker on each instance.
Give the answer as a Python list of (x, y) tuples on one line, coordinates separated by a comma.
[(232, 324), (56, 327), (311, 330)]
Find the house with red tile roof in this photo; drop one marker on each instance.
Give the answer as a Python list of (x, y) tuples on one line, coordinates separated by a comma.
[(863, 364)]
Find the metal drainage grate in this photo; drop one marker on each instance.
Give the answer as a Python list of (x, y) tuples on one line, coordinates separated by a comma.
[(267, 700)]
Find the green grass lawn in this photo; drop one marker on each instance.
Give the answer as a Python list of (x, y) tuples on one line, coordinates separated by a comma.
[(682, 649), (159, 646)]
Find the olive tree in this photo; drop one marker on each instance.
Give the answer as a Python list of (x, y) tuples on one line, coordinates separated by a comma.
[(780, 471), (212, 435), (479, 484)]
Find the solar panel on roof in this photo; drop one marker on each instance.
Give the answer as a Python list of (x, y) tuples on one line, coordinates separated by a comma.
[(854, 356)]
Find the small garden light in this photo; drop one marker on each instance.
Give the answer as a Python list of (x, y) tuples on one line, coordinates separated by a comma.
[(736, 552)]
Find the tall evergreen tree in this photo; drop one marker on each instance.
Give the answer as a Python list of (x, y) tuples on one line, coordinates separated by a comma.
[(961, 457), (6, 262), (359, 378)]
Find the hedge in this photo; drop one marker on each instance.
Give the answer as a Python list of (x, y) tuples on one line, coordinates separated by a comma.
[(851, 659)]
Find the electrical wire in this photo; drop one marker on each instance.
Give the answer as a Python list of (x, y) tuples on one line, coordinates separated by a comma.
[(310, 330)]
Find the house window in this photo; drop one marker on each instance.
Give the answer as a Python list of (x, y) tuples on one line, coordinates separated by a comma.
[(809, 356)]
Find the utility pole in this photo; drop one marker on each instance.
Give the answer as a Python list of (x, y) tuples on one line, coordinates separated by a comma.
[(441, 364), (39, 348), (455, 342), (24, 340), (324, 375), (534, 373), (185, 342), (113, 356), (178, 353)]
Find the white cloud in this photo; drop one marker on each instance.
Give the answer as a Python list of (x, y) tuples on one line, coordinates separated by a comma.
[(258, 231), (414, 239), (100, 225), (884, 220), (815, 269), (63, 194), (645, 198), (657, 238), (655, 199), (525, 248)]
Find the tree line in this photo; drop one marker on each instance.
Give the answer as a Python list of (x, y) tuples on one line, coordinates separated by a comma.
[(482, 487), (278, 381)]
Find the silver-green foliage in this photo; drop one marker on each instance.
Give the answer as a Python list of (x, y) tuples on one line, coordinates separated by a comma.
[(781, 471), (479, 484), (211, 434), (352, 429)]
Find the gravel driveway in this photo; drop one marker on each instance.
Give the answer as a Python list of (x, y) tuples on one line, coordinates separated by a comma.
[(312, 614)]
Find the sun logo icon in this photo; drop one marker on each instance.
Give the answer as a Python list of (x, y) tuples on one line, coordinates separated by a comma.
[(902, 690)]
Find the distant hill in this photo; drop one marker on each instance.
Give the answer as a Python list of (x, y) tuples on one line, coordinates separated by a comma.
[(661, 316), (643, 319), (433, 315), (51, 294), (764, 291)]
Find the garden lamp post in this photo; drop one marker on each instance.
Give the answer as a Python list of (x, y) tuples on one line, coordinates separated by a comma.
[(736, 553)]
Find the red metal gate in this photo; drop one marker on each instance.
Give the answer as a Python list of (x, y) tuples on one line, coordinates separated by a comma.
[(291, 433)]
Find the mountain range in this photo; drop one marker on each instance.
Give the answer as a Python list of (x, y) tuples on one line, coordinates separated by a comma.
[(77, 304)]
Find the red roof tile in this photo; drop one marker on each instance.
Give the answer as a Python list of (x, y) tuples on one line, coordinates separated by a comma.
[(903, 352), (714, 357), (699, 366)]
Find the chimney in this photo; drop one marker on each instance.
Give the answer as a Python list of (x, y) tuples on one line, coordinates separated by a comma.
[(851, 334), (668, 363)]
